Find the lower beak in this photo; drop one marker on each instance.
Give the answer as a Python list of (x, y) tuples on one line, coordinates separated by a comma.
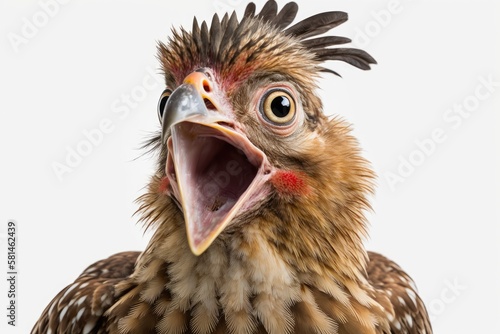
[(215, 172)]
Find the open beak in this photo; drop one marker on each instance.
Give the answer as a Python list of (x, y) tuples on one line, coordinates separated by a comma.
[(215, 172)]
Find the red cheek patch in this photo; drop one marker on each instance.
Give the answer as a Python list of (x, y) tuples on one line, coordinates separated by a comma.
[(290, 183), (164, 184)]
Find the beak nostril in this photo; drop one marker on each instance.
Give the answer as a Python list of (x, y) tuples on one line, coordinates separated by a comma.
[(206, 86)]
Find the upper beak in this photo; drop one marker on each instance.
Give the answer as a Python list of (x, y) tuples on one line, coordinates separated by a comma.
[(186, 103), (214, 170)]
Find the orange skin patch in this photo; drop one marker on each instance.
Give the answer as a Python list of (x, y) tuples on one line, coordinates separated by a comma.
[(290, 183), (164, 184)]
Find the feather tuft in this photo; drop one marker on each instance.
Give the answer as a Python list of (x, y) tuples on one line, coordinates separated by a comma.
[(269, 11), (317, 24), (286, 16)]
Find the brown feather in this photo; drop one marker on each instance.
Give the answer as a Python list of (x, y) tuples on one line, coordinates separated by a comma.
[(250, 10), (286, 15), (215, 34), (355, 57), (317, 24), (410, 315), (269, 11), (84, 302), (323, 42)]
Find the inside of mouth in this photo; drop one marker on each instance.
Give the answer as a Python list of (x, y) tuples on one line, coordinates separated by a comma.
[(215, 173), (221, 173)]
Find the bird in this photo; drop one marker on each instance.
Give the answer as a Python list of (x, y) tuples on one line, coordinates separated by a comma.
[(258, 200)]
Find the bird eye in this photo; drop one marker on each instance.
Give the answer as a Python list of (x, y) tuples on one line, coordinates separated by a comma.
[(163, 102), (278, 107)]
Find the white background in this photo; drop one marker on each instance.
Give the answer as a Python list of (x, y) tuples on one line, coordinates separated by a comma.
[(441, 224)]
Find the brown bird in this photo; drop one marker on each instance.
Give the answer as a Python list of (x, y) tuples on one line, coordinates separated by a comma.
[(257, 203)]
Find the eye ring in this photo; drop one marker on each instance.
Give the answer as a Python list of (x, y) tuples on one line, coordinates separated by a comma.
[(277, 106), (163, 102)]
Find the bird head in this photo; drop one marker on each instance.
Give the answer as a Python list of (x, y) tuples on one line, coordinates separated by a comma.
[(244, 137)]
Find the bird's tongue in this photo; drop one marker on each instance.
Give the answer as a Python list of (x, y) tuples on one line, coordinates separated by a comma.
[(216, 172)]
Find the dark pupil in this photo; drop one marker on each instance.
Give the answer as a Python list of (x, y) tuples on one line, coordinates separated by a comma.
[(163, 102), (280, 106)]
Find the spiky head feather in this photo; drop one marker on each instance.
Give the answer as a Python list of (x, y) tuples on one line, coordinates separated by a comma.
[(259, 42)]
